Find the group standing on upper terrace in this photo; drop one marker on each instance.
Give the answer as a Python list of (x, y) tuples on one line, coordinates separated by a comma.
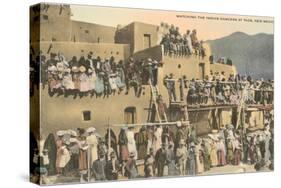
[(180, 45), (91, 75), (217, 89)]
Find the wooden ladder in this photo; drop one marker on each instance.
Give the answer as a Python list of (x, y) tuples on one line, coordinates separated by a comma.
[(241, 104), (154, 95)]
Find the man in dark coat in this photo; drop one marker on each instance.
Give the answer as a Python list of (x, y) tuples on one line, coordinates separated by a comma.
[(98, 167), (160, 160), (112, 167)]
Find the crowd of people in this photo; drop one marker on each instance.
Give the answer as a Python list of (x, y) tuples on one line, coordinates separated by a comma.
[(218, 89), (91, 75), (180, 45), (221, 60), (164, 150)]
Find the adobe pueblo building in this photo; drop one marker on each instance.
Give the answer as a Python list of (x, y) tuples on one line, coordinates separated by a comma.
[(55, 32)]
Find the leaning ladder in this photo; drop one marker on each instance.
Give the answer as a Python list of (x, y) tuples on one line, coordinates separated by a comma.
[(241, 104), (154, 95)]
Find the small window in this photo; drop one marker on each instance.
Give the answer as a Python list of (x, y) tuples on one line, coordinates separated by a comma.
[(87, 115), (130, 115), (87, 31)]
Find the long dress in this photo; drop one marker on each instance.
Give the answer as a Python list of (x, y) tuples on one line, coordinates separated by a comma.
[(221, 153), (230, 149), (142, 144), (123, 149), (199, 160), (99, 86), (213, 155), (83, 160), (120, 78), (64, 158), (67, 82), (237, 152), (92, 141), (84, 83), (132, 143), (76, 81), (157, 139), (92, 81), (112, 82), (59, 144)]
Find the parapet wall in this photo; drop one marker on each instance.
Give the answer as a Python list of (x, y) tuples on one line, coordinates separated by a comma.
[(227, 69), (155, 53), (70, 49)]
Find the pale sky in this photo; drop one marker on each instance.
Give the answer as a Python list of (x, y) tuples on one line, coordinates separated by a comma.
[(207, 26)]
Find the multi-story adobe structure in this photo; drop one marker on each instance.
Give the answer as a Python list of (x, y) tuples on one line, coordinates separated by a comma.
[(58, 33)]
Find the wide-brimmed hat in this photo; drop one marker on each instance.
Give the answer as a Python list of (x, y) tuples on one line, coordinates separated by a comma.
[(73, 133), (74, 69), (91, 130), (82, 69), (61, 133), (52, 68)]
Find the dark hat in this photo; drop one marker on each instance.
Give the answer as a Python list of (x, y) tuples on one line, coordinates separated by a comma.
[(53, 54)]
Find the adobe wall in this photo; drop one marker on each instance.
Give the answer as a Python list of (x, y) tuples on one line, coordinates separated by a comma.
[(125, 35), (59, 113), (134, 34), (92, 33), (139, 30), (70, 49)]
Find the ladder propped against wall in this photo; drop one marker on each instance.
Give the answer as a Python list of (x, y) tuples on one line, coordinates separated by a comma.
[(241, 104), (153, 101)]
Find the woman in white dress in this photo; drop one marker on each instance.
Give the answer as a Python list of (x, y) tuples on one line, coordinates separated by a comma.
[(92, 80), (131, 142), (92, 141), (157, 138), (67, 82), (84, 81), (112, 83), (65, 157)]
